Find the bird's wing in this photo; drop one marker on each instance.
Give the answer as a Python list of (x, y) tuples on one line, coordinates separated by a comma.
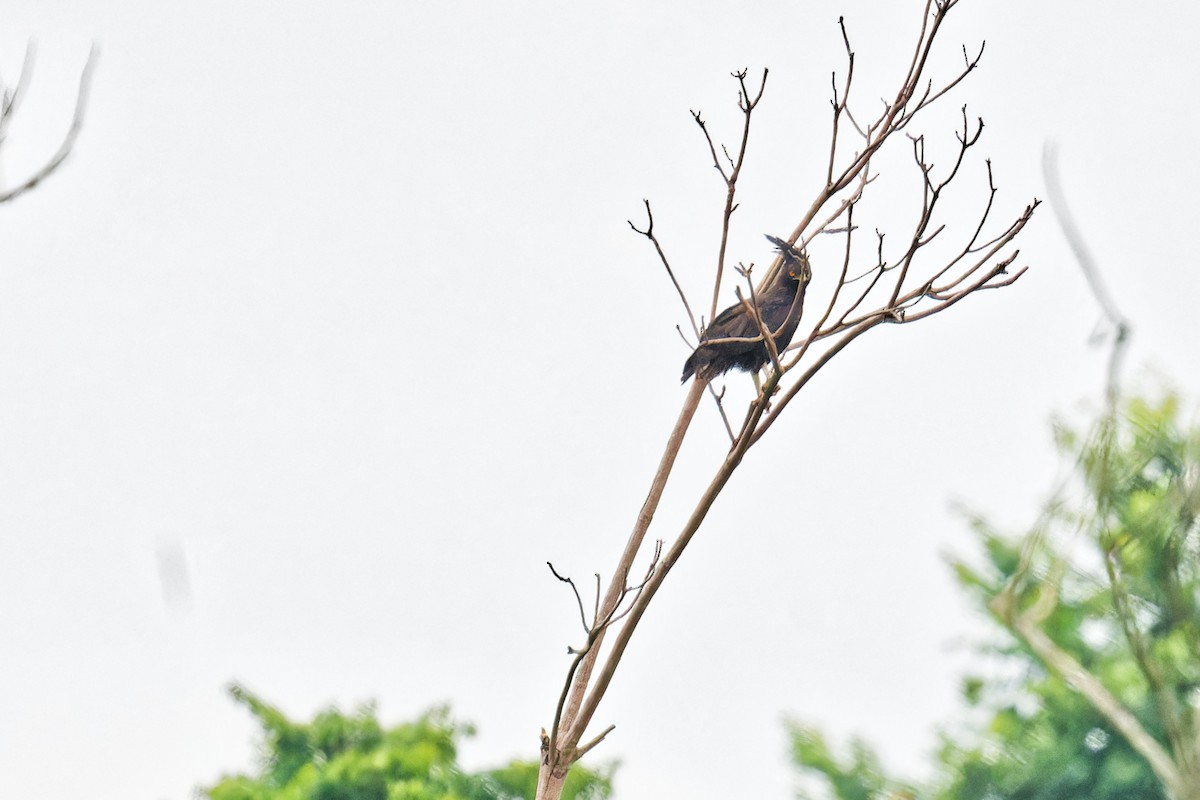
[(732, 323)]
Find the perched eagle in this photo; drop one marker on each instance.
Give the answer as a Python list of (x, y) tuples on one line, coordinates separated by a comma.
[(779, 307)]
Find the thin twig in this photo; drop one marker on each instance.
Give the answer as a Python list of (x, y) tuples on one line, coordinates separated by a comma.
[(68, 142), (578, 599), (11, 100), (649, 234), (1087, 263), (747, 107)]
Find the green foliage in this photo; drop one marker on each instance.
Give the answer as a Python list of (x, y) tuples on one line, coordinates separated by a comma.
[(1113, 569), (859, 776), (341, 756), (1126, 609), (1048, 745)]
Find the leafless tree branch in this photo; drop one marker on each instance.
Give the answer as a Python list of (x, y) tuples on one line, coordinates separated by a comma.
[(909, 286), (649, 234), (1091, 272), (578, 599), (8, 108)]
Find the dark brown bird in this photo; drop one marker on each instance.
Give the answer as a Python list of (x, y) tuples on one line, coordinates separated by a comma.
[(779, 307)]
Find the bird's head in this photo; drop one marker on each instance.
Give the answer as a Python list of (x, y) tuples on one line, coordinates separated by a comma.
[(798, 268), (795, 262)]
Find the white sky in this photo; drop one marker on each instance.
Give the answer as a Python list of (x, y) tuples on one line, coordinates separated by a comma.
[(263, 327)]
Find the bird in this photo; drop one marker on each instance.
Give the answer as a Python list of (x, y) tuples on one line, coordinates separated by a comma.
[(779, 308)]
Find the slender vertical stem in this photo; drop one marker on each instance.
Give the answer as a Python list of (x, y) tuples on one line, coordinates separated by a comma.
[(569, 732)]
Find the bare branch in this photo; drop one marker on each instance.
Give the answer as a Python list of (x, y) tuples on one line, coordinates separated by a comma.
[(747, 107), (583, 749), (903, 289), (578, 599), (712, 148), (1087, 263), (68, 143), (718, 398), (839, 105), (649, 234), (637, 589), (11, 99), (580, 672)]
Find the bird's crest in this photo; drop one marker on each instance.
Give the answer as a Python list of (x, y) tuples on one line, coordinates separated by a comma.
[(795, 260)]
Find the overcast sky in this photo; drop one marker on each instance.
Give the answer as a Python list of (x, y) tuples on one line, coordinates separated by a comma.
[(331, 332)]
